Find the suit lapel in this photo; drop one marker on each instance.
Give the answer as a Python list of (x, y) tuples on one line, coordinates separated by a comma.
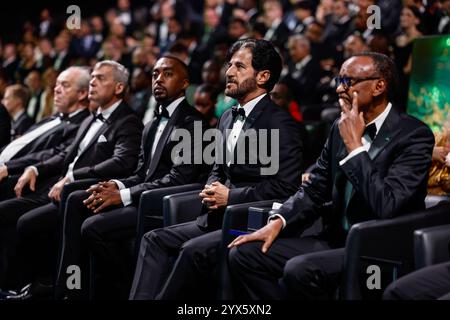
[(102, 129), (251, 118), (382, 139), (164, 137), (387, 132), (257, 110)]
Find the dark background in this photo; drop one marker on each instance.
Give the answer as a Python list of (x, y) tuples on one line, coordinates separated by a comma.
[(14, 13)]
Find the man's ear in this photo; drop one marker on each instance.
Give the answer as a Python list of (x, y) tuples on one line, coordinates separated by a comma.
[(185, 84), (82, 95), (380, 88), (120, 89), (262, 77)]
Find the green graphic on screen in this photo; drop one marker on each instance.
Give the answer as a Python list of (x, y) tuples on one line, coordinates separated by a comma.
[(429, 86)]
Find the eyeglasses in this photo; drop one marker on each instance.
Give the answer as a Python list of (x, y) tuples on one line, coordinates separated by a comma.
[(347, 82)]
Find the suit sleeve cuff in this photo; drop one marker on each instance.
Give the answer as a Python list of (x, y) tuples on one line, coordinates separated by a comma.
[(352, 154), (125, 195), (276, 215), (119, 184)]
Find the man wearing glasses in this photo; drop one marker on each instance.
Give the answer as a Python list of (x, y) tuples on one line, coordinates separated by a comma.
[(374, 166)]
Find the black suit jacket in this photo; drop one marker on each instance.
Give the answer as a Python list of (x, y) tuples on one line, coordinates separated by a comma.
[(389, 180), (245, 180), (5, 127), (160, 170), (303, 82), (48, 144), (21, 125), (115, 157)]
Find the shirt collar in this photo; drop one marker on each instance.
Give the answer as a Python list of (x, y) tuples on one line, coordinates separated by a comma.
[(107, 113), (248, 107), (379, 120), (173, 105)]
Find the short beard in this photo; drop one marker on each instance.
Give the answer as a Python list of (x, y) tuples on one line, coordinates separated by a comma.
[(247, 86)]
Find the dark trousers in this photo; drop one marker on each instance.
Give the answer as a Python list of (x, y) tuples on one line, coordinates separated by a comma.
[(7, 188), (177, 262), (102, 235), (37, 242), (37, 234), (429, 283), (10, 212), (288, 270)]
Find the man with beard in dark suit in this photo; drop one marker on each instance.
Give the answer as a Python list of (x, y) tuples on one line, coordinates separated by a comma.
[(254, 67), (107, 213), (374, 166), (106, 146), (50, 136)]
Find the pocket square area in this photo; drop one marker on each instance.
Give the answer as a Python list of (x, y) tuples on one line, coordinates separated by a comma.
[(101, 139)]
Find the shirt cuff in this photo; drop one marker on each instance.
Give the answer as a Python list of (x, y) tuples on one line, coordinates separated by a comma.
[(119, 184), (36, 172), (276, 215), (125, 195), (70, 177), (352, 154)]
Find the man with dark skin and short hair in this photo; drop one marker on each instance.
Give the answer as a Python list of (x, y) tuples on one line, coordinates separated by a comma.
[(374, 166), (254, 67), (107, 213)]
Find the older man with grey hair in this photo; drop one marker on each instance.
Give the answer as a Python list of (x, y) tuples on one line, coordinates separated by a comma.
[(106, 146), (51, 135)]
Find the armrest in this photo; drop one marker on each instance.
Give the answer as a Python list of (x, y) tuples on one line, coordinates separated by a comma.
[(235, 223), (236, 216), (181, 207), (150, 212), (431, 246), (257, 217), (387, 243)]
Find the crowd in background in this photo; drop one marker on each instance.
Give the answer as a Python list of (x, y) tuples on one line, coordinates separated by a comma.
[(314, 38)]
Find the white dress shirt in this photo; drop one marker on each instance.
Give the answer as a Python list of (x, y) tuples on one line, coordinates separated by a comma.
[(18, 144), (125, 193), (95, 126), (237, 127)]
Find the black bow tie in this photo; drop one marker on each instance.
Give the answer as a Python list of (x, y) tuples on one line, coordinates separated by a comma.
[(163, 113), (235, 111), (100, 117), (63, 117), (371, 131)]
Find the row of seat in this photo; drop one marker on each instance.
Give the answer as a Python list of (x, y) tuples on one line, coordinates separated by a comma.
[(398, 246)]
